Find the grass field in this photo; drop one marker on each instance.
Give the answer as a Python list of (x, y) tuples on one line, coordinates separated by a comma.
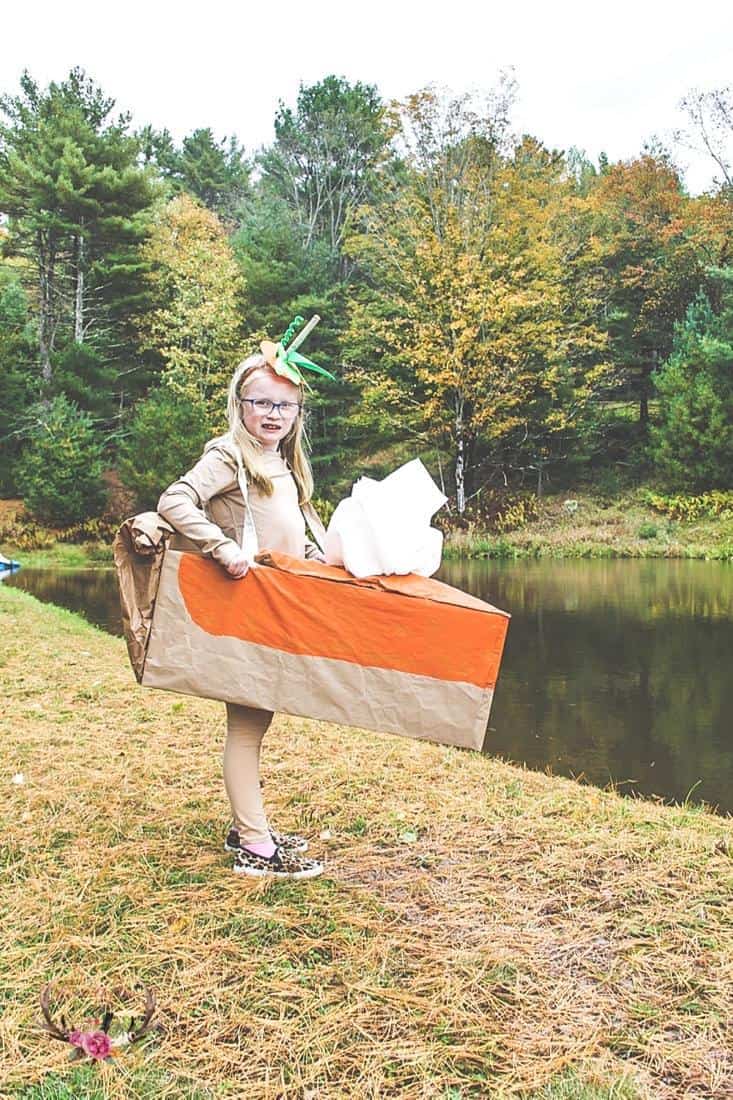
[(481, 931)]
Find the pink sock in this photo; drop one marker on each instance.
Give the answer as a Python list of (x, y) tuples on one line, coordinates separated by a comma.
[(265, 849)]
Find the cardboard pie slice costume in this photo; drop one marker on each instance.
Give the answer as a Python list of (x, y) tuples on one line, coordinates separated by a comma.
[(398, 654)]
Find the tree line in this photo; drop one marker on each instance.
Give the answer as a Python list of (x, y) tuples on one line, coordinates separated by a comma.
[(511, 312)]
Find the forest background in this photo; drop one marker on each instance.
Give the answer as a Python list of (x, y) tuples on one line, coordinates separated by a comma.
[(523, 319)]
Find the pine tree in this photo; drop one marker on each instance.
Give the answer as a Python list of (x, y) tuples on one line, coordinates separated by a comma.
[(692, 445), (164, 437), (71, 185), (325, 159), (60, 468), (215, 172), (17, 369)]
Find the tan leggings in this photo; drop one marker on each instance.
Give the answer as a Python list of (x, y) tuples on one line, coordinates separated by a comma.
[(246, 726)]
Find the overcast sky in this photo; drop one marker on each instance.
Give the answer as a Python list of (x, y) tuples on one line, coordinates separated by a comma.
[(599, 76)]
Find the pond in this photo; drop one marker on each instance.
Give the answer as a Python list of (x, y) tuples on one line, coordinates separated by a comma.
[(616, 671)]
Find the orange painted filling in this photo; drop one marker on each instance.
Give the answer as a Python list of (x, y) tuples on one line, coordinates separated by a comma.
[(302, 611)]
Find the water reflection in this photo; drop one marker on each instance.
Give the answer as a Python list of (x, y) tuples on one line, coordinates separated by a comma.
[(91, 593), (616, 670)]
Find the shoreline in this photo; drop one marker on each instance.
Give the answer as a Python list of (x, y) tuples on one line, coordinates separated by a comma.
[(501, 549), (620, 526), (481, 929)]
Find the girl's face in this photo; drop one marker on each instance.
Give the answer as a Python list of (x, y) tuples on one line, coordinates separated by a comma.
[(269, 426)]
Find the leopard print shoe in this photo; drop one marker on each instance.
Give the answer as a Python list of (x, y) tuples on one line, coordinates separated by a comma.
[(281, 865), (291, 842)]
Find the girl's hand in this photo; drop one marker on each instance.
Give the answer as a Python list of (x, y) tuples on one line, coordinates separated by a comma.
[(233, 559), (238, 567)]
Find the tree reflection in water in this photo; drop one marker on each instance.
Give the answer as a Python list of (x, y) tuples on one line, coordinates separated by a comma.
[(616, 670), (91, 593)]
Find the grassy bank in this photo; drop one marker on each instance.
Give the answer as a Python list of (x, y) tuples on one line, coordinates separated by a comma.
[(591, 525), (587, 525), (64, 555), (39, 546), (481, 931)]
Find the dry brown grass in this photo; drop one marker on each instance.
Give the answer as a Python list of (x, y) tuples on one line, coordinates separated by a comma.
[(534, 926), (10, 508)]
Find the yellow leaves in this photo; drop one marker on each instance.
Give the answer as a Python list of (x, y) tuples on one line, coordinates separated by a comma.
[(196, 326), (477, 290)]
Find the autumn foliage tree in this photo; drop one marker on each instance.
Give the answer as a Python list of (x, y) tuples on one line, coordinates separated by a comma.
[(710, 130), (651, 264), (196, 325), (471, 327), (482, 294)]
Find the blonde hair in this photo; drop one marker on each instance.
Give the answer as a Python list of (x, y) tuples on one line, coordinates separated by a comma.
[(292, 446)]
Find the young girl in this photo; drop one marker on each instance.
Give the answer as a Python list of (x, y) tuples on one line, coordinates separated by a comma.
[(264, 446)]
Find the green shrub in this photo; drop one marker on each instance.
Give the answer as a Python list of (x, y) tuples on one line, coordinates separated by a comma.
[(680, 506), (165, 437), (22, 533), (60, 467), (515, 513), (648, 531), (495, 510), (608, 485)]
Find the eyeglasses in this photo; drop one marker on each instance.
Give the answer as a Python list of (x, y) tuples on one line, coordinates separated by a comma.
[(263, 407)]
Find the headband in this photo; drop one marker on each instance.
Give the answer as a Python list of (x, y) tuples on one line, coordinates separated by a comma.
[(285, 360)]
